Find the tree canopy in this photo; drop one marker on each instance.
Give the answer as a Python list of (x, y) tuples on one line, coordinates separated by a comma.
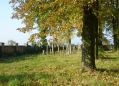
[(48, 13), (11, 42), (55, 13)]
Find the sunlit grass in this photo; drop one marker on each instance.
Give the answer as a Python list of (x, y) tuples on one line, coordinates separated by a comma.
[(58, 69)]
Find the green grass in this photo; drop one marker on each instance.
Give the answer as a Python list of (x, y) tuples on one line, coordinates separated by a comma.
[(58, 70)]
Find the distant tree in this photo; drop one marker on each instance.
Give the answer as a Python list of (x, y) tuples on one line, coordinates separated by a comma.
[(33, 43), (25, 44), (38, 43), (11, 42)]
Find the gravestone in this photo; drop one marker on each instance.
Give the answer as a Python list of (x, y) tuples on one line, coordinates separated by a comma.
[(47, 49), (78, 47), (52, 48), (43, 52), (50, 51), (63, 47)]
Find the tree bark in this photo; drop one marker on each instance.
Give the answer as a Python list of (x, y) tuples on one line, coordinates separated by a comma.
[(118, 45), (99, 34), (115, 42), (115, 35), (88, 41), (115, 24), (96, 39), (96, 30), (118, 29), (100, 31), (69, 43)]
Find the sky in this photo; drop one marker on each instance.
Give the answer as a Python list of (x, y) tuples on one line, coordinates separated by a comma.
[(8, 27)]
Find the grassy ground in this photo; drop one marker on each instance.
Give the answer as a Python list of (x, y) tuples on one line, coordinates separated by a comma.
[(58, 70)]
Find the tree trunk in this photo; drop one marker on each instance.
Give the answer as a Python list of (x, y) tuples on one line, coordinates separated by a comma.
[(115, 24), (88, 41), (100, 30), (117, 28), (96, 39), (99, 34), (96, 30), (69, 43), (118, 45), (115, 42), (115, 35)]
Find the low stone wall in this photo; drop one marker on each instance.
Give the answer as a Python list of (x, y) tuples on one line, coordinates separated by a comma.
[(18, 50), (108, 47)]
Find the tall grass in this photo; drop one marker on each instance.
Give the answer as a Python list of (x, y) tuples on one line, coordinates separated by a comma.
[(56, 70)]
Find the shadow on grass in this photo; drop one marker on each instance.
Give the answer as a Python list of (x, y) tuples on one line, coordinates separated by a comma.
[(10, 59), (108, 70), (25, 79), (111, 51), (108, 58)]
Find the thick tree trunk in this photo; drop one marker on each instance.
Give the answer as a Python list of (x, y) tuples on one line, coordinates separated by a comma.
[(115, 24), (96, 39), (118, 44), (88, 41), (118, 29), (96, 30), (100, 30), (115, 42), (115, 35), (99, 34)]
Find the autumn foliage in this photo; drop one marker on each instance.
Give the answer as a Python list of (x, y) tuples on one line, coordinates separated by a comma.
[(59, 17)]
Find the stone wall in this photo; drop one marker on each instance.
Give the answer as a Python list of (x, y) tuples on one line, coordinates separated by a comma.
[(108, 47), (18, 50)]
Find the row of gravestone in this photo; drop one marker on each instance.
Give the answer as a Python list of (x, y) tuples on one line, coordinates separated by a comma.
[(53, 48), (70, 48)]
